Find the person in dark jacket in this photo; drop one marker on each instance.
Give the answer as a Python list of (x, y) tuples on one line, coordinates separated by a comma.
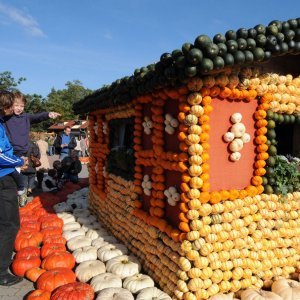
[(9, 210), (30, 172), (72, 167), (17, 127), (18, 124), (65, 143)]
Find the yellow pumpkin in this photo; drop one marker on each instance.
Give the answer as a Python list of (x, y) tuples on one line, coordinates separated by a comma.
[(193, 235), (195, 284), (182, 275), (196, 224), (195, 129), (194, 98), (194, 273), (196, 182), (184, 264), (197, 110), (190, 120), (195, 149), (195, 160), (201, 262), (192, 139)]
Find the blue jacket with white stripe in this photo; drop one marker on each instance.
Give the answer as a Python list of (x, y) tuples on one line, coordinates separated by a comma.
[(8, 161)]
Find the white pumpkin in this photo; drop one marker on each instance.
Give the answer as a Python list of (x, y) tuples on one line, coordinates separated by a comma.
[(236, 145), (85, 253), (137, 282), (78, 242), (228, 137), (69, 234), (235, 156), (110, 251), (99, 242), (123, 266), (94, 234), (152, 293), (174, 123), (256, 294), (89, 269), (114, 294), (106, 280), (236, 118), (246, 138), (71, 226), (287, 289), (222, 297), (66, 217), (238, 129)]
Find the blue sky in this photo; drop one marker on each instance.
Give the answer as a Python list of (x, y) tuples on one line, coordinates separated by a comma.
[(97, 42)]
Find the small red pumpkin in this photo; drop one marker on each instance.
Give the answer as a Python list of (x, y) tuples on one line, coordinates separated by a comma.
[(35, 225), (39, 295), (28, 239), (52, 222), (28, 252), (21, 265), (51, 231), (48, 249), (52, 279), (57, 239), (75, 290), (58, 260), (33, 274)]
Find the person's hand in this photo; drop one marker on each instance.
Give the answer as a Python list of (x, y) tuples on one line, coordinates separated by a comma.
[(54, 115), (63, 145)]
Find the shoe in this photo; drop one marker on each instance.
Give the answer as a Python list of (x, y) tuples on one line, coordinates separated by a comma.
[(29, 194), (9, 279), (22, 199)]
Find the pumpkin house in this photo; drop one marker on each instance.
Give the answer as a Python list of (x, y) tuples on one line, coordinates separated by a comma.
[(193, 161)]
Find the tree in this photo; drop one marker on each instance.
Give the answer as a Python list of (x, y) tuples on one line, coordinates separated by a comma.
[(9, 83), (62, 100)]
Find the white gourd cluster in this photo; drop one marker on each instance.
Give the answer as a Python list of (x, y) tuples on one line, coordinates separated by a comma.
[(147, 185), (172, 195), (236, 137), (170, 124), (147, 124), (108, 266)]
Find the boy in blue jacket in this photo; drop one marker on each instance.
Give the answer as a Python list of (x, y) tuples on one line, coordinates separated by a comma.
[(9, 211), (18, 128)]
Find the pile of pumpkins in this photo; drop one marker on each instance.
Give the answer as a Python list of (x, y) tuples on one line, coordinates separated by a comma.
[(281, 289), (101, 264)]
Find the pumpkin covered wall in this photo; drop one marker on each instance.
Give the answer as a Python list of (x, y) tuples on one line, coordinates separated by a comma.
[(194, 194)]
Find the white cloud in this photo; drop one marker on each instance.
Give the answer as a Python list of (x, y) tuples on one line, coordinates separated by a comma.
[(22, 18)]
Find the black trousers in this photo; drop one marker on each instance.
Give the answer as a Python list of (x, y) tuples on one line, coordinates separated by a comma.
[(9, 220)]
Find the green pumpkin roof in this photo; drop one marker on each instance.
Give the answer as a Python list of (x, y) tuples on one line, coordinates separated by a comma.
[(205, 56)]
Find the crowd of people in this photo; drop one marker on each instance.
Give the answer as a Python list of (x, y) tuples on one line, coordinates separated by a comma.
[(23, 159)]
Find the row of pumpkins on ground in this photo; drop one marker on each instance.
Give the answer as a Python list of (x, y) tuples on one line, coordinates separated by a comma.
[(101, 260), (98, 258)]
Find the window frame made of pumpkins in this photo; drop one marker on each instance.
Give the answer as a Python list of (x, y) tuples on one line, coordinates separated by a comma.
[(192, 187), (160, 161)]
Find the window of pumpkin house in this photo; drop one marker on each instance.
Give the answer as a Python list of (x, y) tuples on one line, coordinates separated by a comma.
[(120, 160)]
